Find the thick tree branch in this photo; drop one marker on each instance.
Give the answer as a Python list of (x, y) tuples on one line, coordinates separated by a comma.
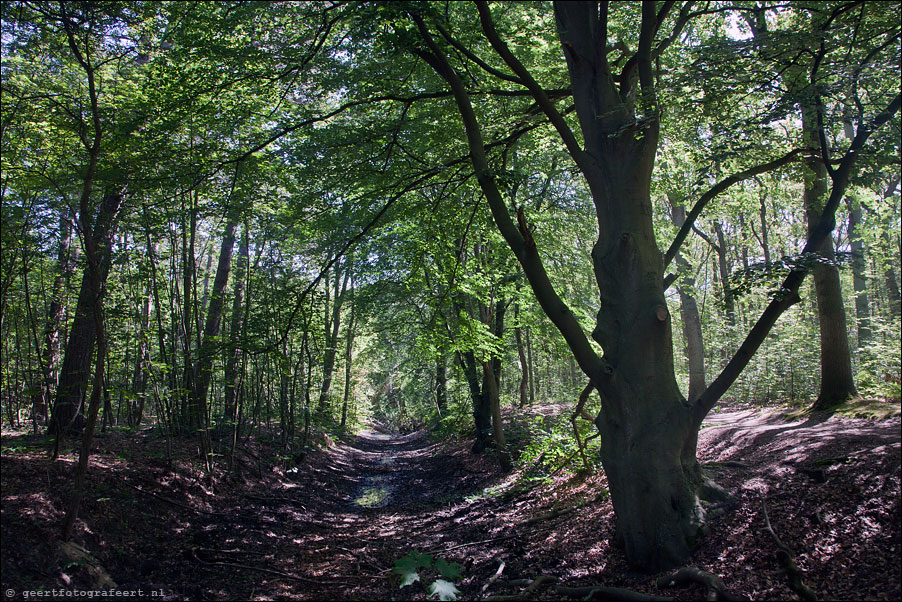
[(643, 54), (541, 97), (472, 56), (699, 206), (527, 255), (788, 294)]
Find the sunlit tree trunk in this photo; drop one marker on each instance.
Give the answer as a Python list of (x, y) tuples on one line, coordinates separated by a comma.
[(859, 279), (692, 324)]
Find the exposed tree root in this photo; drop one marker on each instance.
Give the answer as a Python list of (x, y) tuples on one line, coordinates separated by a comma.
[(786, 558), (716, 588), (534, 585), (602, 592)]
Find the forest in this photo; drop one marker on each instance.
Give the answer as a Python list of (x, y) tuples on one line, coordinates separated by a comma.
[(408, 300)]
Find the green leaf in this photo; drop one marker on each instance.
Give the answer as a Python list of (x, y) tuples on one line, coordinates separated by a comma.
[(407, 567), (445, 590), (448, 570), (408, 578)]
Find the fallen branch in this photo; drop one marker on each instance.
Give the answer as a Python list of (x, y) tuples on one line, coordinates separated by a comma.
[(603, 592), (494, 577), (472, 543), (786, 558), (173, 502), (260, 569), (716, 588), (531, 588)]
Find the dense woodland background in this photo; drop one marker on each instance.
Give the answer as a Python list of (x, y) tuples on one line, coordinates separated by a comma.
[(226, 222)]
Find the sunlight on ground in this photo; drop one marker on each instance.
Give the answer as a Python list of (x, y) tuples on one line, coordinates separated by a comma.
[(373, 497)]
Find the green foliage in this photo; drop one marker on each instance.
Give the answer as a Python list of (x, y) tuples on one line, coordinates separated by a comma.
[(550, 446), (439, 571)]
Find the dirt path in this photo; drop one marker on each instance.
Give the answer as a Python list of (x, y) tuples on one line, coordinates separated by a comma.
[(332, 527)]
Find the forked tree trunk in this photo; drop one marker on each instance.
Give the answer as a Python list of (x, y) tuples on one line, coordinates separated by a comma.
[(837, 379), (649, 432)]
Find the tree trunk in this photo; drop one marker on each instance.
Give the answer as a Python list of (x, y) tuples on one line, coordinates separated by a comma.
[(208, 349), (530, 366), (349, 348), (692, 324), (441, 385), (68, 406), (482, 411), (859, 279), (837, 381), (333, 322), (762, 213), (50, 352), (524, 367), (490, 389), (723, 266), (233, 352), (647, 429)]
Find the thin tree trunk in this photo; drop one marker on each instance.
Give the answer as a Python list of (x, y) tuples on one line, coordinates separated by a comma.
[(68, 406), (724, 269), (689, 315), (523, 388), (332, 327), (233, 352), (208, 349), (859, 279), (55, 312)]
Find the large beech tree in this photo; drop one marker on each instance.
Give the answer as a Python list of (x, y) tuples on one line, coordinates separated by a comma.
[(649, 431)]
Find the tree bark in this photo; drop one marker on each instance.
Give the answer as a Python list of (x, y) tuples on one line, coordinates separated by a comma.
[(523, 388), (68, 407), (333, 322), (837, 380), (859, 278), (349, 356), (723, 265), (689, 315), (233, 352), (51, 347), (441, 385), (209, 347)]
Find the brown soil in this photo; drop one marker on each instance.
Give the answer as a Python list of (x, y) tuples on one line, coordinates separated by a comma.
[(332, 526)]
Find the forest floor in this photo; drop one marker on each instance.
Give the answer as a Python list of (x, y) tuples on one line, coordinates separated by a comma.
[(334, 525)]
